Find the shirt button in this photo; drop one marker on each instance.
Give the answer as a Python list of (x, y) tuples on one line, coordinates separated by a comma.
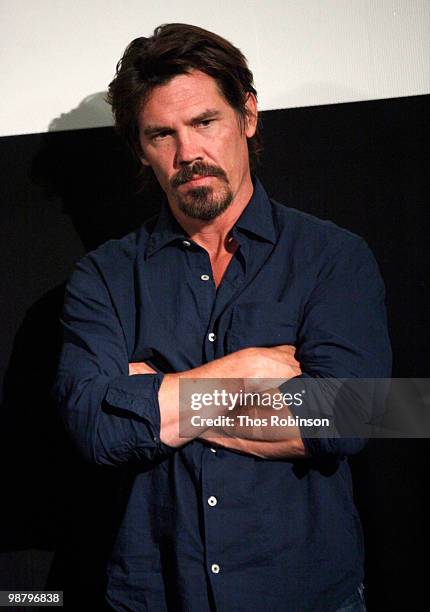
[(213, 450), (186, 243), (204, 277), (211, 337), (215, 568), (212, 501)]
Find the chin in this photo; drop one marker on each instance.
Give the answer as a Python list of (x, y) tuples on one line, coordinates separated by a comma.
[(201, 203)]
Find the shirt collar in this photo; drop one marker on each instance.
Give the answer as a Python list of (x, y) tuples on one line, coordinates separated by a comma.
[(256, 218), (166, 230)]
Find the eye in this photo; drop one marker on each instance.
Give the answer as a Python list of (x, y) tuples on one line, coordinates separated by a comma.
[(159, 136), (205, 122)]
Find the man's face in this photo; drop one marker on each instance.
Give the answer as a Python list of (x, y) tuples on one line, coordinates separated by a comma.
[(192, 139)]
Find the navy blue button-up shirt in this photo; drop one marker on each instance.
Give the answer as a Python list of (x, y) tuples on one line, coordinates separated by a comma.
[(281, 535)]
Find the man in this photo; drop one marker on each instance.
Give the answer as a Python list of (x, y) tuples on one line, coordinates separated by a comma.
[(223, 284)]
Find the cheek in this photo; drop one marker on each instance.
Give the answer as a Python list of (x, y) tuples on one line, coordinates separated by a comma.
[(234, 145), (160, 167), (163, 178), (235, 154)]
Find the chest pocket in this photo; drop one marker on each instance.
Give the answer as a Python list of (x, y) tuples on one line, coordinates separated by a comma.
[(262, 324)]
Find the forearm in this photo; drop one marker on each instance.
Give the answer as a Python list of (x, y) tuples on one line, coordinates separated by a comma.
[(112, 421), (226, 373), (175, 419), (255, 430)]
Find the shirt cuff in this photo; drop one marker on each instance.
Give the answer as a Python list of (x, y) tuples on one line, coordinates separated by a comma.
[(138, 394), (319, 402)]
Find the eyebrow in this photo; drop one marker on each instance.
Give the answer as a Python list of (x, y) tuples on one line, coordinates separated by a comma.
[(207, 114), (152, 130)]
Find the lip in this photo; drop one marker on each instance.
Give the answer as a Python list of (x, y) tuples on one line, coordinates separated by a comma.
[(198, 179)]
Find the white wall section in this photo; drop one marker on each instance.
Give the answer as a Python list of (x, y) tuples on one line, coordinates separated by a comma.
[(57, 57)]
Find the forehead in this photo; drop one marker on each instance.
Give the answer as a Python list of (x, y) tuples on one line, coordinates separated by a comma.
[(185, 95)]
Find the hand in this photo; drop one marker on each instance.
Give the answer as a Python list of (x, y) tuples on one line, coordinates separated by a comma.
[(252, 363), (276, 362), (140, 367), (271, 367)]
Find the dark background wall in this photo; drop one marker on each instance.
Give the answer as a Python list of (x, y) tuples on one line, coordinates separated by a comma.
[(363, 165)]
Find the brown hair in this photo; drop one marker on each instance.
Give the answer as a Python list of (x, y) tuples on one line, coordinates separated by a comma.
[(178, 48)]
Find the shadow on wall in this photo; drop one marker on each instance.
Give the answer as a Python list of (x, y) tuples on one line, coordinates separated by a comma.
[(93, 111), (94, 175), (55, 502)]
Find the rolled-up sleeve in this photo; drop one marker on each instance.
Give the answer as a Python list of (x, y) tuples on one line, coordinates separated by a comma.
[(343, 336), (113, 418)]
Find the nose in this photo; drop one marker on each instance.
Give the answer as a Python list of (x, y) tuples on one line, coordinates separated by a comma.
[(187, 149)]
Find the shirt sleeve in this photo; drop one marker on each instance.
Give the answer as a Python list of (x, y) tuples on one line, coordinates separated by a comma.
[(113, 418), (343, 336)]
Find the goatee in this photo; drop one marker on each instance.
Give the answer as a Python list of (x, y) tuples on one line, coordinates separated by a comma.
[(201, 202)]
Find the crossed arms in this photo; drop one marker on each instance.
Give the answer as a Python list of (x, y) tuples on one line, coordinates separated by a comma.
[(256, 363), (117, 419)]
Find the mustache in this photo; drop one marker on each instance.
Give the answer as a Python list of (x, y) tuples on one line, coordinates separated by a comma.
[(186, 173)]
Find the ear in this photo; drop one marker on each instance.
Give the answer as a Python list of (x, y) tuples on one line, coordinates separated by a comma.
[(142, 157), (251, 115), (141, 153)]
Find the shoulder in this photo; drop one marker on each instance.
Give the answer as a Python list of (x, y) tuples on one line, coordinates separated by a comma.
[(114, 252), (113, 262), (297, 221), (325, 251), (305, 232), (118, 253)]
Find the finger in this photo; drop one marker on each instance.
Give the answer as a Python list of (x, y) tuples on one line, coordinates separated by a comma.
[(140, 367), (286, 348)]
